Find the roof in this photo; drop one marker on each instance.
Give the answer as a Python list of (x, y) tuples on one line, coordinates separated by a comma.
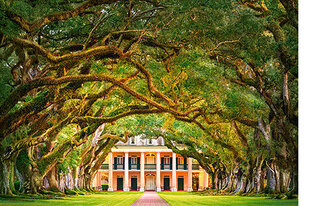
[(142, 148), (139, 147)]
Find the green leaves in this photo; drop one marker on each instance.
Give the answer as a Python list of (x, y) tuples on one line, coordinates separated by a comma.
[(22, 8), (205, 63)]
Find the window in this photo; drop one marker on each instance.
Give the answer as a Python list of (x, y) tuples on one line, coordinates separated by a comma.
[(132, 140), (120, 159), (134, 159), (180, 160), (150, 141), (166, 160), (150, 159)]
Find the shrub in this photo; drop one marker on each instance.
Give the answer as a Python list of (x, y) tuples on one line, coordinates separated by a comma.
[(17, 186), (105, 187)]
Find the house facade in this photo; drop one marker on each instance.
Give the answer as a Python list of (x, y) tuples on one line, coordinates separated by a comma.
[(147, 164)]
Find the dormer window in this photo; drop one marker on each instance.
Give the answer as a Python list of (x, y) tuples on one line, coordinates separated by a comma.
[(150, 141), (132, 140)]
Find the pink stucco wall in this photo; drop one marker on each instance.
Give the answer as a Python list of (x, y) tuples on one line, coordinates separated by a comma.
[(179, 173)]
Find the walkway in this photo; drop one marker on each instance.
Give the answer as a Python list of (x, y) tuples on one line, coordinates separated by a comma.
[(150, 199)]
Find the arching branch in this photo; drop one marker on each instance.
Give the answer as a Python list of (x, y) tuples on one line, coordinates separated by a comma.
[(107, 51), (32, 26)]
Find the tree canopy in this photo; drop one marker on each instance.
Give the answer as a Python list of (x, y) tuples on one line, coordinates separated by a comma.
[(218, 78)]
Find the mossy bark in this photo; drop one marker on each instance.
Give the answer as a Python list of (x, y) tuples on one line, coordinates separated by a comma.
[(8, 176), (52, 180), (8, 167)]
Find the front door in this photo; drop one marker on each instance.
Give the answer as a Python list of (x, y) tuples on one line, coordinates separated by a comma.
[(119, 183), (150, 182), (166, 183), (180, 183), (134, 183)]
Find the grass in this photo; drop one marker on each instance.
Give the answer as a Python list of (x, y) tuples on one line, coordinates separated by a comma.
[(103, 198), (186, 198), (127, 198)]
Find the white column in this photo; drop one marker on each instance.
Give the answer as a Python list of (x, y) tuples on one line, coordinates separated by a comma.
[(158, 189), (110, 189), (190, 177), (98, 179), (174, 173), (126, 172), (142, 172), (206, 180)]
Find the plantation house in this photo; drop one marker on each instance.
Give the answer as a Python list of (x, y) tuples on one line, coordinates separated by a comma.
[(146, 164)]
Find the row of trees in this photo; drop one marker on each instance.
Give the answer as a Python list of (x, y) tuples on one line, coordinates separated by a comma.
[(217, 78)]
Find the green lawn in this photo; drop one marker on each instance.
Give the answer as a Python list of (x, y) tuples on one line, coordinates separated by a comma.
[(186, 198), (106, 199), (126, 198)]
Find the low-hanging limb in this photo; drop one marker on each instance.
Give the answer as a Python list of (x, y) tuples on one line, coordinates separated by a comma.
[(55, 59), (190, 151), (97, 156), (47, 81), (101, 120)]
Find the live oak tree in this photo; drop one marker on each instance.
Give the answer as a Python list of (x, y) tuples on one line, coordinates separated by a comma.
[(65, 61), (227, 68), (257, 42)]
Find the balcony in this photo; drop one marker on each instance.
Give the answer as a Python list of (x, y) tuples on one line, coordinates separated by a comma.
[(119, 166), (134, 166), (166, 166), (195, 166), (150, 166), (182, 167), (104, 166)]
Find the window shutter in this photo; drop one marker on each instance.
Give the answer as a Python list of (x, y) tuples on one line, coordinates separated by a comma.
[(123, 162), (115, 162), (129, 160), (162, 163), (138, 162), (171, 163), (185, 163)]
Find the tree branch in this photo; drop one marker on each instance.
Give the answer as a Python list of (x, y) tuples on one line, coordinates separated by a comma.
[(53, 58), (31, 27)]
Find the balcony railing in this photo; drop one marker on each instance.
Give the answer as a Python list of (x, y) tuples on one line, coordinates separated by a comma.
[(119, 166), (150, 166), (166, 166), (104, 166), (134, 166), (182, 167), (195, 166)]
